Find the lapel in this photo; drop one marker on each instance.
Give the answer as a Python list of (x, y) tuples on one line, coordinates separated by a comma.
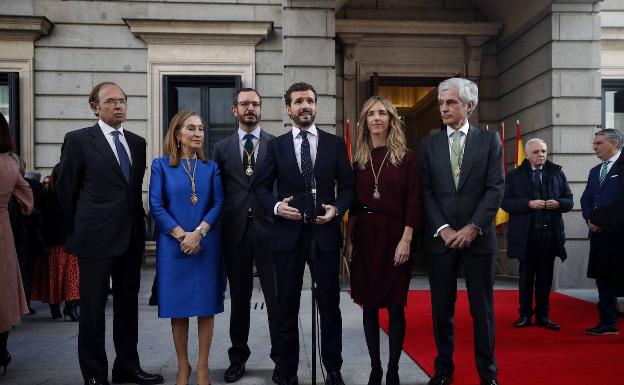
[(133, 144), (262, 149), (470, 154), (236, 163), (289, 143), (104, 149), (322, 143), (444, 166)]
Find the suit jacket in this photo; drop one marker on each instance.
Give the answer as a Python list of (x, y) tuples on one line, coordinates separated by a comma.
[(477, 196), (518, 193), (605, 259), (237, 189), (105, 213), (334, 186)]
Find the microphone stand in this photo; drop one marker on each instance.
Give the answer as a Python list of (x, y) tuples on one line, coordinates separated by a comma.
[(312, 193)]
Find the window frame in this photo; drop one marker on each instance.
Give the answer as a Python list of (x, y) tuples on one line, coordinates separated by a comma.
[(11, 79), (609, 85)]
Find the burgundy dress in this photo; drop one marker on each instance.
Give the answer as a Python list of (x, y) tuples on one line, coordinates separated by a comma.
[(375, 281)]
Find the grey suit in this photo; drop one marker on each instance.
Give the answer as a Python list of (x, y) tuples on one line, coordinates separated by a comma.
[(245, 235), (474, 201)]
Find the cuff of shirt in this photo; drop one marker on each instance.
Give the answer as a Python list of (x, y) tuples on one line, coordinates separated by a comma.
[(437, 233), (275, 208)]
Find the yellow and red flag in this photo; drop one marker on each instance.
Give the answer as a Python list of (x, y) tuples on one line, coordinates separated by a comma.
[(502, 216), (519, 146), (347, 138)]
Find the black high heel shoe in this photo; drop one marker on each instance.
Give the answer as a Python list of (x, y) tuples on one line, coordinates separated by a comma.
[(71, 310), (5, 360), (55, 310)]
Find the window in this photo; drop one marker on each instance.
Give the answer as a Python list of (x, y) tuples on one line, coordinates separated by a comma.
[(9, 104), (613, 104), (210, 96)]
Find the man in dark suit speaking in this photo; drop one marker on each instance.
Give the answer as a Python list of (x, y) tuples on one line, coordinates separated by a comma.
[(100, 187), (462, 187), (245, 228), (304, 160)]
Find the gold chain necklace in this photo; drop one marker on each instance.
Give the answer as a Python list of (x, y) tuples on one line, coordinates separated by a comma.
[(194, 198), (249, 169), (376, 193), (459, 156)]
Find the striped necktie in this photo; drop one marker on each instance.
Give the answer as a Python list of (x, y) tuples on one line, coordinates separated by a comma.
[(604, 169)]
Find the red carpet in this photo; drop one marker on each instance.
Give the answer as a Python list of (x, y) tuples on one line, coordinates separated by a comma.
[(526, 356)]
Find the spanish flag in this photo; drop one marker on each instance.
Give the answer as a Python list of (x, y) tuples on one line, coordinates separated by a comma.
[(502, 216)]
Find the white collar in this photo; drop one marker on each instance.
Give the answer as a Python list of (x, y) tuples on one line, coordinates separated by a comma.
[(464, 129), (106, 129), (615, 157), (255, 133), (312, 131)]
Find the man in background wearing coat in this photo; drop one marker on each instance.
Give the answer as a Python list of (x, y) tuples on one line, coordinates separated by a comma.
[(602, 203), (536, 193), (246, 228)]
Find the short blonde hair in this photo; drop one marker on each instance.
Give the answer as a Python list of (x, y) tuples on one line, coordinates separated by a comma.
[(170, 146)]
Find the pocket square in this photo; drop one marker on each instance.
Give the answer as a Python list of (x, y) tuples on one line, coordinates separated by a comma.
[(614, 176)]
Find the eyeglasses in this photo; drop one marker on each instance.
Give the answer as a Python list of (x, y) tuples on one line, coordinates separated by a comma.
[(113, 101), (255, 105)]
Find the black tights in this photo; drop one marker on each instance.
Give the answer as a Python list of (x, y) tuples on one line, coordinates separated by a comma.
[(4, 336), (396, 334)]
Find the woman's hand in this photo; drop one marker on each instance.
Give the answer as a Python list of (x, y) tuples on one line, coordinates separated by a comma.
[(402, 252), (190, 243)]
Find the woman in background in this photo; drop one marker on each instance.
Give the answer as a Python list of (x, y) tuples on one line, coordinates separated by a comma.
[(382, 222), (12, 298), (185, 200)]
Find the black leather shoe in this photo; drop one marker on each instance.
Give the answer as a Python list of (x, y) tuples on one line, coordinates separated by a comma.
[(491, 381), (547, 323), (136, 376), (234, 372), (522, 322), (334, 378), (95, 381), (602, 330), (619, 314), (277, 374), (441, 379)]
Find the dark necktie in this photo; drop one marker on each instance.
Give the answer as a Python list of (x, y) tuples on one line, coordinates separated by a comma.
[(249, 156), (124, 159), (306, 169), (537, 176)]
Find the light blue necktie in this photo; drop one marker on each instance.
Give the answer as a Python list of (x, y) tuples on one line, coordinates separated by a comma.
[(604, 170)]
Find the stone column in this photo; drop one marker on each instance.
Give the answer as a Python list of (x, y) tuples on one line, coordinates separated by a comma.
[(309, 54)]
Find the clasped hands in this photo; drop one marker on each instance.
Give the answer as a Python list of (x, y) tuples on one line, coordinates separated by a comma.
[(401, 254), (540, 204), (459, 239), (284, 210), (189, 241)]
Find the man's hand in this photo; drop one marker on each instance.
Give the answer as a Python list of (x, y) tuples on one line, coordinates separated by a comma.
[(552, 204), (538, 204), (448, 236), (330, 212), (402, 252), (464, 237), (593, 228), (285, 211)]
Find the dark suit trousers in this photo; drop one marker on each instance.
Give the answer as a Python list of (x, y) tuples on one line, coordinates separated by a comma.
[(239, 261), (479, 275), (289, 269), (536, 270), (94, 284)]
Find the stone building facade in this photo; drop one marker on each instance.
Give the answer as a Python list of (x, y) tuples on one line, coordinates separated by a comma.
[(546, 63)]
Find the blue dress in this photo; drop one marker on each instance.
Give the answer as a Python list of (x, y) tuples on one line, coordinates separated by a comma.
[(188, 285)]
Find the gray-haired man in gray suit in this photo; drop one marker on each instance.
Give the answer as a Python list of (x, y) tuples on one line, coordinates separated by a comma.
[(245, 227), (462, 186)]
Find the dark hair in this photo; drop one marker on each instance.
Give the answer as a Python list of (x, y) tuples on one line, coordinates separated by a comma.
[(235, 100), (6, 142), (295, 88), (95, 93)]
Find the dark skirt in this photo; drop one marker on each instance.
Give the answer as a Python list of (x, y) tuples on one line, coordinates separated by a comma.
[(375, 281)]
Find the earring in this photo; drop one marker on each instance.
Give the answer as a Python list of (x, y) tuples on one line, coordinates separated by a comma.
[(178, 143)]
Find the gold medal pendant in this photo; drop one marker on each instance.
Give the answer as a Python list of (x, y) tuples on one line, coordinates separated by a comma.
[(249, 171), (194, 199), (376, 193)]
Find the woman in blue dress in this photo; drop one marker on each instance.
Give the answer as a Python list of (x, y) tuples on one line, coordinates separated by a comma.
[(185, 200)]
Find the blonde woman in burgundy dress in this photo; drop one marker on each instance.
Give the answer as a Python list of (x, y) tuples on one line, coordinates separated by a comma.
[(382, 223)]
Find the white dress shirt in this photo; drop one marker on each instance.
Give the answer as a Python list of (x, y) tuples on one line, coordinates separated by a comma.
[(108, 134), (242, 140), (613, 159)]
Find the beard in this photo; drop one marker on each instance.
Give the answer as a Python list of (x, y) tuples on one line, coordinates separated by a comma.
[(303, 123), (249, 120)]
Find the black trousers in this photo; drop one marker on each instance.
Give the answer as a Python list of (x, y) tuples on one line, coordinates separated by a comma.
[(289, 269), (239, 261), (94, 286), (479, 275), (536, 271)]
